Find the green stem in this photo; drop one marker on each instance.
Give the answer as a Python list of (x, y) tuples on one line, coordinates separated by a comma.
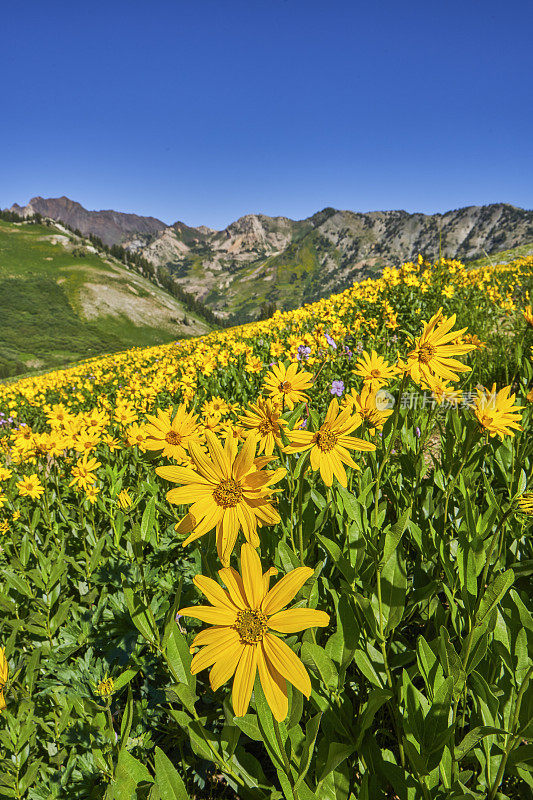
[(392, 709), (300, 521), (388, 450), (455, 478), (512, 738)]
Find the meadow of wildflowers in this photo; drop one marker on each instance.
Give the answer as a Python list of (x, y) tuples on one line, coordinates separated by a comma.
[(287, 560)]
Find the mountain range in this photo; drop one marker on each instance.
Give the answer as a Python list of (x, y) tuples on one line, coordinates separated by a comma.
[(260, 260)]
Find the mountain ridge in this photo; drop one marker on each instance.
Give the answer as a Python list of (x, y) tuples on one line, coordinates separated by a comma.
[(259, 259)]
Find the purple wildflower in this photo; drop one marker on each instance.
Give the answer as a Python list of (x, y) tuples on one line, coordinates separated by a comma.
[(337, 387), (418, 432), (303, 353), (330, 341)]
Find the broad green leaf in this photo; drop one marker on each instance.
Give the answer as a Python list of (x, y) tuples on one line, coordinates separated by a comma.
[(392, 537), (472, 738), (393, 591), (493, 594), (320, 663), (429, 666), (249, 726), (436, 723), (311, 732), (169, 782), (141, 615), (376, 699), (125, 677), (148, 519), (179, 657), (129, 773)]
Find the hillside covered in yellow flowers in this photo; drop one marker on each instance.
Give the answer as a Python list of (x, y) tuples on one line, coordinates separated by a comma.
[(290, 559)]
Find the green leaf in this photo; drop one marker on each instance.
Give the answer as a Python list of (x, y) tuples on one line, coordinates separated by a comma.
[(170, 622), (179, 657), (376, 699), (125, 677), (316, 658), (127, 720), (141, 615), (266, 726), (392, 537), (128, 775), (472, 738), (198, 741), (148, 519), (311, 732), (249, 726), (436, 723), (453, 666), (337, 753), (169, 783), (370, 668), (428, 666), (493, 594), (186, 695), (336, 784), (393, 591), (96, 553)]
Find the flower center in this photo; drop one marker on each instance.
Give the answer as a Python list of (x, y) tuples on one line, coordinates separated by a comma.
[(326, 440), (266, 427), (426, 353), (228, 493), (375, 373), (251, 625), (173, 438), (285, 387)]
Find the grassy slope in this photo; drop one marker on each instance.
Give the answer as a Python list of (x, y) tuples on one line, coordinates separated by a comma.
[(504, 256), (57, 307)]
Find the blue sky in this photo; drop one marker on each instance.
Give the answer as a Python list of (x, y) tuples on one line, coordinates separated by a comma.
[(209, 109)]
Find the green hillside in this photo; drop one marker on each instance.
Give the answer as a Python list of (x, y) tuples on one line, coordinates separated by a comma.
[(60, 302), (504, 256)]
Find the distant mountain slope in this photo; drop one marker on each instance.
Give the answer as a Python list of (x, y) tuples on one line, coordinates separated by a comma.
[(112, 227), (259, 259), (60, 301)]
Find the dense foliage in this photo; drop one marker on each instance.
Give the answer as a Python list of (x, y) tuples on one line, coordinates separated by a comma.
[(409, 574)]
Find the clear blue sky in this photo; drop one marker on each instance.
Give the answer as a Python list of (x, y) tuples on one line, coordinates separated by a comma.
[(209, 109)]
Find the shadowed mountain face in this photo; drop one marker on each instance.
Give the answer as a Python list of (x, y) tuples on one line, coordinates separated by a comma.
[(259, 259), (111, 227)]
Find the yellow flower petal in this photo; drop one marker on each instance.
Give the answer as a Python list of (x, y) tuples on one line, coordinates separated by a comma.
[(297, 619), (285, 589), (213, 616), (252, 575), (274, 687), (287, 663), (224, 668), (214, 592), (243, 683), (233, 581), (212, 652)]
